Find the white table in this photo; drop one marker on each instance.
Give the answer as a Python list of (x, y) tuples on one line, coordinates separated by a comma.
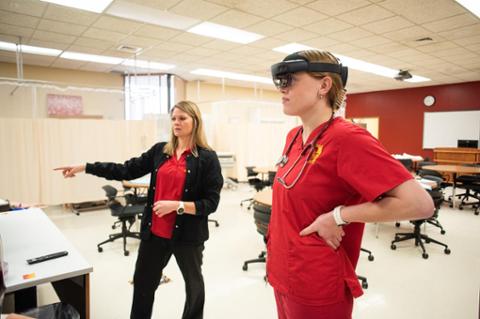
[(30, 233)]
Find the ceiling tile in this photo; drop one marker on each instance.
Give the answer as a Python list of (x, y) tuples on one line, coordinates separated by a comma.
[(334, 8), (265, 8), (157, 32), (387, 48), (48, 44), (30, 7), (65, 14), (320, 42), (328, 26), (100, 34), (61, 27), (371, 41), (67, 64), (191, 39), (157, 54), (221, 45), (299, 17), (94, 43), (115, 24), (350, 34), (8, 38), (343, 48), (169, 46), (468, 40), (269, 28), (423, 11), (451, 23), (140, 42), (468, 31), (157, 4), (387, 25), (458, 51), (21, 20), (408, 34), (296, 35), (236, 19), (437, 46), (202, 51), (53, 37), (96, 67), (268, 43), (16, 31), (365, 15), (82, 49), (198, 9)]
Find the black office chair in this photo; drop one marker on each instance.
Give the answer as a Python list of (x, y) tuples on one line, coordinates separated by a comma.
[(261, 216), (254, 181), (471, 185), (271, 178), (124, 213), (437, 196)]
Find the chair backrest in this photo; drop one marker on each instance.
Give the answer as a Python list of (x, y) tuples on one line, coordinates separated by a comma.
[(110, 191), (250, 171), (261, 215), (427, 172), (408, 163), (271, 177)]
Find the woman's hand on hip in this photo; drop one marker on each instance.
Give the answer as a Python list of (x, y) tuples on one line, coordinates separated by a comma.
[(164, 207), (325, 226), (70, 171)]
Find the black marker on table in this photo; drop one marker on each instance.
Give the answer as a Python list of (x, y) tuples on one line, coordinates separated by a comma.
[(47, 257)]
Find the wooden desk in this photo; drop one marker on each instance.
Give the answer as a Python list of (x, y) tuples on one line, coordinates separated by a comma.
[(30, 233), (264, 197), (454, 170), (263, 170)]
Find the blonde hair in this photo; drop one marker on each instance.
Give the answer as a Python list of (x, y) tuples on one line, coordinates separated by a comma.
[(336, 95), (197, 138)]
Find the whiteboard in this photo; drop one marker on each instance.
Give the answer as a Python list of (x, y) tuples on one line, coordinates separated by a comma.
[(443, 129)]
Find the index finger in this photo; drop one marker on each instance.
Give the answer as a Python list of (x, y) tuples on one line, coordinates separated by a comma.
[(60, 168)]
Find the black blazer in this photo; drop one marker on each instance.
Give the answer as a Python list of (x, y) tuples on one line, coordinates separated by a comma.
[(202, 186)]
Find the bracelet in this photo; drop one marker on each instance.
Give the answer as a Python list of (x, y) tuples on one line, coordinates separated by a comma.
[(338, 218)]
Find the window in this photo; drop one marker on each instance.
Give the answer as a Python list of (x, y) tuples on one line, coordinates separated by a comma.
[(147, 96)]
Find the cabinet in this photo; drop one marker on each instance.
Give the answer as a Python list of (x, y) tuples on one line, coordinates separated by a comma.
[(456, 155)]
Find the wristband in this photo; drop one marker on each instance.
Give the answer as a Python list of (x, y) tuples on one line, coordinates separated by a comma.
[(338, 218)]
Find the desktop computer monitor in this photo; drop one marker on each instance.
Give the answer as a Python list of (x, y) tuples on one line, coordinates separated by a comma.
[(467, 143)]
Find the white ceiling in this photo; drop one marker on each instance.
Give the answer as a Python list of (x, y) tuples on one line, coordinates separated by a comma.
[(378, 31)]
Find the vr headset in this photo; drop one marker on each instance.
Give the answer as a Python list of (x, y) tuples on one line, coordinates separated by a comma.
[(282, 72)]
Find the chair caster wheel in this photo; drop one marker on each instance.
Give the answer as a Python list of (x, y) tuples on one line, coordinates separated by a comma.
[(113, 227), (460, 207), (425, 256), (476, 213), (371, 258), (126, 253), (447, 251), (450, 205), (442, 232), (100, 249), (397, 224), (393, 247), (364, 285), (245, 267)]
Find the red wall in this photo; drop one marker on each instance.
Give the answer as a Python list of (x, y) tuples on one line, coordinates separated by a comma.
[(400, 112)]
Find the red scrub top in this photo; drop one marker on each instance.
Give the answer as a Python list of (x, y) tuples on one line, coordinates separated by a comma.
[(169, 186), (348, 167)]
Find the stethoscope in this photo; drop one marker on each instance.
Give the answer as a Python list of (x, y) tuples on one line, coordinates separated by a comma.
[(283, 160)]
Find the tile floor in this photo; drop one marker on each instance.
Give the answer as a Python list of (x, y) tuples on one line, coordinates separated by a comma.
[(401, 283)]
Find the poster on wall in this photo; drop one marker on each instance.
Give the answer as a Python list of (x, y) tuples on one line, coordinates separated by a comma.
[(64, 105)]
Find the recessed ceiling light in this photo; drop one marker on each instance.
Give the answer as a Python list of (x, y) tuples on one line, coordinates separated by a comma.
[(147, 64), (471, 5), (232, 76), (91, 58), (89, 5), (133, 11), (222, 32), (352, 63), (7, 46)]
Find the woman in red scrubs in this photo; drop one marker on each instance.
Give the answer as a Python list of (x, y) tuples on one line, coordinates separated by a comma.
[(185, 184), (332, 178)]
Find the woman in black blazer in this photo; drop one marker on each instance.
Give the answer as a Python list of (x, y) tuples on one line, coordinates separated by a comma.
[(184, 189)]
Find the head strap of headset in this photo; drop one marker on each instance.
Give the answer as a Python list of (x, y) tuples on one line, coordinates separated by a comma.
[(282, 72)]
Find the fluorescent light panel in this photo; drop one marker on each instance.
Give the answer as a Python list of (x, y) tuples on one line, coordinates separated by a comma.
[(91, 58), (353, 63), (7, 46), (89, 5), (137, 12), (222, 32), (471, 5), (232, 76), (147, 64)]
